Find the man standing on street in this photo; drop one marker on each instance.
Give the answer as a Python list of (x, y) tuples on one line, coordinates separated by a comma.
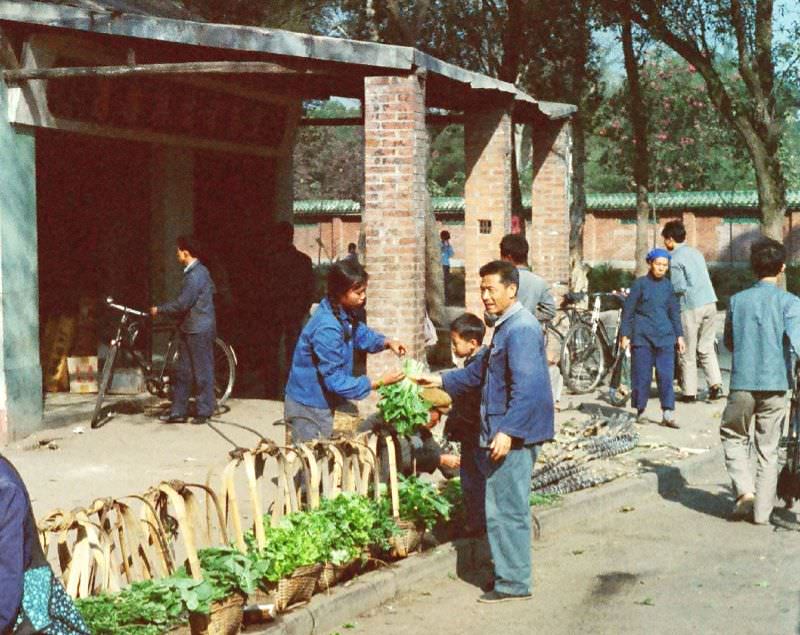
[(762, 330), (533, 292), (698, 302), (516, 418), (289, 286), (194, 308)]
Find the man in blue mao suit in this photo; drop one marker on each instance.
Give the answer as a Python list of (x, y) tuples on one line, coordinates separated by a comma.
[(516, 418), (194, 307)]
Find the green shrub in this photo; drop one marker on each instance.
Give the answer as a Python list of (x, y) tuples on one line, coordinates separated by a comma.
[(604, 278), (728, 280)]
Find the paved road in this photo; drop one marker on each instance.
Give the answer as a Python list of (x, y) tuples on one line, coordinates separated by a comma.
[(672, 564)]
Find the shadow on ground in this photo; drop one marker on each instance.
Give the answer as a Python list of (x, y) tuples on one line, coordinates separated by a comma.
[(672, 486)]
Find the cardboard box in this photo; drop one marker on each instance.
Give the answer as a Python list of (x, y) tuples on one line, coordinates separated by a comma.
[(82, 374), (127, 381)]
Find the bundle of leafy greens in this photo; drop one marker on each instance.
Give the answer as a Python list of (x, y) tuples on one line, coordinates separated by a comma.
[(144, 608), (155, 606), (359, 522), (421, 502), (401, 404)]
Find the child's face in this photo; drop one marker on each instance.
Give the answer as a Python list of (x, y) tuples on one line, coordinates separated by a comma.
[(659, 267), (462, 347)]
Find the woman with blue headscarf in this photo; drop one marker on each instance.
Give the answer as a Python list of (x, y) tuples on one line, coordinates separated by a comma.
[(651, 326)]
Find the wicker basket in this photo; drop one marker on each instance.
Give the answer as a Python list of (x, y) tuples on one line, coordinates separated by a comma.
[(298, 587), (346, 423), (225, 617), (332, 574), (409, 539)]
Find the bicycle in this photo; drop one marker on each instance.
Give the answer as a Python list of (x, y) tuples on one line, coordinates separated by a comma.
[(157, 375), (589, 353)]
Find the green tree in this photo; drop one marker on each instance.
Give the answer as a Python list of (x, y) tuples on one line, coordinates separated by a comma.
[(701, 32), (690, 146)]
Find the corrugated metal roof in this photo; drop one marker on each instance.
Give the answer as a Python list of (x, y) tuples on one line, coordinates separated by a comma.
[(621, 201), (163, 21)]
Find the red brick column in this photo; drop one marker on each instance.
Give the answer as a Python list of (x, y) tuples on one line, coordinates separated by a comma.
[(549, 233), (487, 194), (395, 203)]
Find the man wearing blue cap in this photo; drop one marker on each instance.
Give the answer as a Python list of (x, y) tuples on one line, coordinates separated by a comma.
[(651, 325)]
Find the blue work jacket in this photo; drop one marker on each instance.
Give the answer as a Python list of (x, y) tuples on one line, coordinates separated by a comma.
[(762, 329), (194, 306), (515, 395), (651, 314), (322, 365), (17, 536)]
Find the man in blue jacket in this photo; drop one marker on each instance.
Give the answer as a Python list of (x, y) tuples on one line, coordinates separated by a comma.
[(516, 418), (194, 308)]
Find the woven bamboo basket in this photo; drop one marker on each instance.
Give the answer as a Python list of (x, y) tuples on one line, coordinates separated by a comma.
[(298, 587), (346, 423), (332, 574), (225, 617), (409, 539)]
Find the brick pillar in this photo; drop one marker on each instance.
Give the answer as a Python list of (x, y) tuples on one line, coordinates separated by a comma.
[(487, 194), (590, 238), (549, 234), (395, 195)]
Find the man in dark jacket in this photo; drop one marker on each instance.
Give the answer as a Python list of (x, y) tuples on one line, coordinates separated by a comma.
[(289, 282), (15, 550), (516, 418), (194, 308)]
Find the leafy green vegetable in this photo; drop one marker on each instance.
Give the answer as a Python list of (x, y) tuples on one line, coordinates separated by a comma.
[(421, 502), (144, 608), (401, 404), (543, 500), (338, 532), (155, 606)]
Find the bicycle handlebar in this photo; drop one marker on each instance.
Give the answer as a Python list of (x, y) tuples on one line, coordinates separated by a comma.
[(125, 309)]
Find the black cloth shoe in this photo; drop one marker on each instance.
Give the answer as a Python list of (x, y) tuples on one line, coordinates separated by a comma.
[(172, 419), (689, 398), (488, 586), (715, 392), (670, 423), (201, 420), (494, 597)]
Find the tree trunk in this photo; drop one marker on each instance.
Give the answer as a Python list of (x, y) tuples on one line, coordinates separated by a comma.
[(577, 208), (641, 163), (434, 276)]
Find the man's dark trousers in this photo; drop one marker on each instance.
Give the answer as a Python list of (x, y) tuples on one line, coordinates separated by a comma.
[(195, 362)]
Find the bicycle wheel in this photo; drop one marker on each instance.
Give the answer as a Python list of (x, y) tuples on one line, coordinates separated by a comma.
[(582, 359), (619, 394), (224, 370), (105, 380)]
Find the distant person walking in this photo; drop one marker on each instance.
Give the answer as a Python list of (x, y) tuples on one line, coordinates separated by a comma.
[(698, 302), (762, 330), (352, 253), (447, 253), (651, 326)]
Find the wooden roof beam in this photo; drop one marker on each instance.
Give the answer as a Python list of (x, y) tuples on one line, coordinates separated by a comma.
[(182, 68)]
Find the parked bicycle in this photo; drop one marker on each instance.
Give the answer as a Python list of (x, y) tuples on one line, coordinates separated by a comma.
[(589, 352), (128, 342)]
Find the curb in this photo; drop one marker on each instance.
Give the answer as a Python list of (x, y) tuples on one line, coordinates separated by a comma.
[(327, 612)]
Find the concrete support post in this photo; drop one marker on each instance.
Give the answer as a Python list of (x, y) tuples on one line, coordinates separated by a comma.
[(550, 200), (20, 368), (395, 196), (172, 206), (284, 168), (487, 194)]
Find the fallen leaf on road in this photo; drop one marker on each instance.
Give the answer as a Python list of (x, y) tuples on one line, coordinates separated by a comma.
[(188, 459), (763, 584), (646, 602), (627, 508), (577, 552)]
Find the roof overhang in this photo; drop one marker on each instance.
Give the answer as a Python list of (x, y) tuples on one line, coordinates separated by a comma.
[(451, 87)]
